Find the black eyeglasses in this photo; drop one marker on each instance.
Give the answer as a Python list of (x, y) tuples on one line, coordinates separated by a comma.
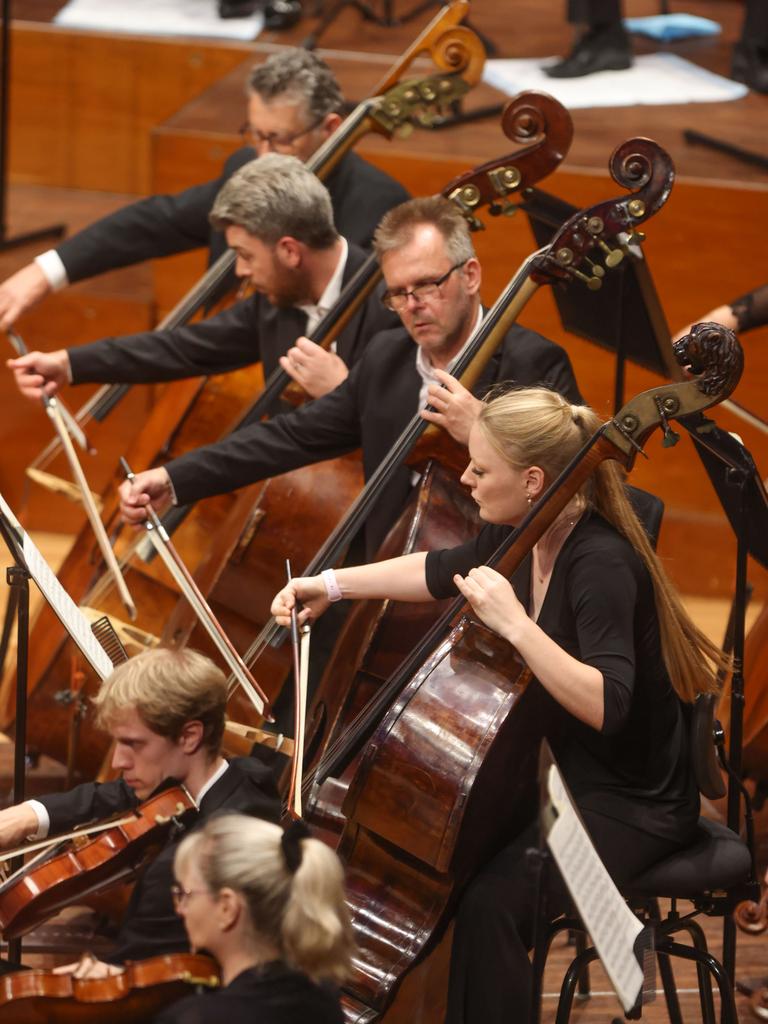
[(397, 301), (273, 140)]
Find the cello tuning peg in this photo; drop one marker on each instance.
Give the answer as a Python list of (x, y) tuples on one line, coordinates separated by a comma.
[(670, 438), (593, 283), (597, 269), (504, 208), (613, 257)]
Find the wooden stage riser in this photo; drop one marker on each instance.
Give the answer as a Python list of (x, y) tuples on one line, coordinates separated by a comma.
[(83, 103)]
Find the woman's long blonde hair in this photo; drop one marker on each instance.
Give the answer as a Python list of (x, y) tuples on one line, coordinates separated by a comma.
[(538, 427), (298, 907)]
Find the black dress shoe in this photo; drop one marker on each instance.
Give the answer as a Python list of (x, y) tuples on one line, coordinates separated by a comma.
[(599, 49), (239, 8), (750, 66), (281, 14)]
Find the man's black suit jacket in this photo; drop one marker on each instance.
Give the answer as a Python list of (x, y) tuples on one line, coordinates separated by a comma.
[(247, 332), (163, 225), (369, 409), (151, 926)]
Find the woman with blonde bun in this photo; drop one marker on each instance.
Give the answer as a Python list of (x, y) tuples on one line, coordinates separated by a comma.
[(595, 618), (269, 905)]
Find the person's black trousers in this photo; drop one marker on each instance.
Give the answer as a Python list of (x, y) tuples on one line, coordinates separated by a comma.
[(594, 13)]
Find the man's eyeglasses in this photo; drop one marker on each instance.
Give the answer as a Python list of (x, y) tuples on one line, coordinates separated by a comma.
[(397, 301), (180, 895), (272, 139)]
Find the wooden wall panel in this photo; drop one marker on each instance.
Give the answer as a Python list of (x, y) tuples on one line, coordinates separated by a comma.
[(83, 103)]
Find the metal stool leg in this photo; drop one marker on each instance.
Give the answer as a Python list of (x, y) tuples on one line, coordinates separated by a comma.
[(728, 1013), (584, 989), (570, 981)]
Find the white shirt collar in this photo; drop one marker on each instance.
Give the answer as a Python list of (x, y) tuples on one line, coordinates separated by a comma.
[(426, 370), (316, 311), (211, 782)]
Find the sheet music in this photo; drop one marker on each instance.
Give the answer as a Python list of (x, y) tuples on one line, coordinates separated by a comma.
[(62, 604), (610, 922)]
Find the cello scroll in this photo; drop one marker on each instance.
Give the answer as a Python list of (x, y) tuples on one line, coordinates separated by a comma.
[(713, 353), (439, 41), (581, 245), (709, 352), (531, 118)]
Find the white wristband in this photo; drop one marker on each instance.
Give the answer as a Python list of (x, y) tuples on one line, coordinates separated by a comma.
[(332, 588)]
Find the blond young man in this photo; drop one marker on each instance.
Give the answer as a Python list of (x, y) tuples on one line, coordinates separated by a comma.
[(164, 712)]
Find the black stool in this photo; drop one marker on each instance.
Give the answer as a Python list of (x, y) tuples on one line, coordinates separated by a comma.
[(715, 872)]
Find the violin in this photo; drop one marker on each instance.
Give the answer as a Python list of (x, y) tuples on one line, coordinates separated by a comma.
[(82, 864), (133, 996)]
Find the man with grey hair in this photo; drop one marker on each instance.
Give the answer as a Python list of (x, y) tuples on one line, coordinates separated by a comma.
[(277, 217), (294, 105), (433, 284)]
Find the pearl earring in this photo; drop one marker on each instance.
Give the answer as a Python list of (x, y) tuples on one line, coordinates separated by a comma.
[(530, 499)]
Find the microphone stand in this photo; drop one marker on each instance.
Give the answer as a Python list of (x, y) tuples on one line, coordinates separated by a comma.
[(56, 230)]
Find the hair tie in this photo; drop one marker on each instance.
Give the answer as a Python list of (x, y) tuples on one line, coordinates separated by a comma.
[(290, 841)]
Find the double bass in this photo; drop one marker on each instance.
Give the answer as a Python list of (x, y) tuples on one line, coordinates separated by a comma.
[(454, 736), (379, 634)]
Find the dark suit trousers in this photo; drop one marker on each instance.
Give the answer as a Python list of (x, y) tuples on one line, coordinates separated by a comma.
[(755, 28), (594, 12), (490, 975)]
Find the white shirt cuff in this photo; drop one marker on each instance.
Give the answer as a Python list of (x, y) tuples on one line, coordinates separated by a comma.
[(53, 269), (172, 490), (43, 820)]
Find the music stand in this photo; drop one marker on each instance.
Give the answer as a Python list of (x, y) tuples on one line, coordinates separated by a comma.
[(743, 497), (56, 230), (625, 946)]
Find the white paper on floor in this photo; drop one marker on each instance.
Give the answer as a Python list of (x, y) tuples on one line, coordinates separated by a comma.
[(158, 17), (656, 78)]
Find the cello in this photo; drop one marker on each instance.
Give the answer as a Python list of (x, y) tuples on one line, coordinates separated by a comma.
[(455, 733)]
